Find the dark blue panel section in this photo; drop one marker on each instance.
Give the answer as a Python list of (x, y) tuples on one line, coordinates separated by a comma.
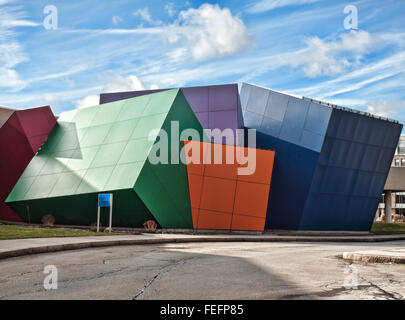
[(351, 172), (292, 175)]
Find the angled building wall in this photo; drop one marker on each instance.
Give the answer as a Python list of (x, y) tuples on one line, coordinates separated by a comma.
[(351, 172), (330, 164), (21, 136)]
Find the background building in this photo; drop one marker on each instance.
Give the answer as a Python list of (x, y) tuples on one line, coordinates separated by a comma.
[(394, 190)]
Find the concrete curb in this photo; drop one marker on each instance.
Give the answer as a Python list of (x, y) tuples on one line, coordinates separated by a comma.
[(373, 258), (121, 242)]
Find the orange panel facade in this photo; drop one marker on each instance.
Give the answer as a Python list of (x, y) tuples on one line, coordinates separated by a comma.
[(220, 197)]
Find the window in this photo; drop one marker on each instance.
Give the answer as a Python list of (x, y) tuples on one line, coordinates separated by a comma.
[(397, 162), (400, 198), (401, 146), (403, 162)]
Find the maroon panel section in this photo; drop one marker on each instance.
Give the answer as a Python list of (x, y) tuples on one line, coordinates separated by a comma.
[(37, 124), (20, 138), (7, 214)]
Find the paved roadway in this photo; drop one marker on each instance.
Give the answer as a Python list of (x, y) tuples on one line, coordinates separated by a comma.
[(206, 271)]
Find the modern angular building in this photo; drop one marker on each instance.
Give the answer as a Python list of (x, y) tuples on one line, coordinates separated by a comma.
[(331, 163), (318, 166), (22, 133)]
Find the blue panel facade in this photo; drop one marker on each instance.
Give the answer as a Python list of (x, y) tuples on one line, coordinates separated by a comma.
[(351, 172), (290, 183), (330, 165), (288, 118)]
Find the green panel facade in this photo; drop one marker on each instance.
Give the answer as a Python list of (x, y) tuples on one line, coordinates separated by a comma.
[(170, 180), (105, 149)]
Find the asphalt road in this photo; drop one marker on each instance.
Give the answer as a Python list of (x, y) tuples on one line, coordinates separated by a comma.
[(206, 271)]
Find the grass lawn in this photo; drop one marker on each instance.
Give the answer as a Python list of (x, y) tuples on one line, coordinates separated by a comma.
[(388, 228), (19, 232)]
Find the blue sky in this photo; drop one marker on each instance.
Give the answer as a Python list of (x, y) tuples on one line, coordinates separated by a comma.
[(297, 46)]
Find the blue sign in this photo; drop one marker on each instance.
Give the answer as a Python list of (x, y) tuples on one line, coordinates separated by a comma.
[(104, 200)]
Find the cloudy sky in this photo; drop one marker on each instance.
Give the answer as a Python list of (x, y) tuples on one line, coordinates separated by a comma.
[(298, 46)]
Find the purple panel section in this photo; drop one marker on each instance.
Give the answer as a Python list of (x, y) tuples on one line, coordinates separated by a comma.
[(223, 97), (224, 119), (197, 97)]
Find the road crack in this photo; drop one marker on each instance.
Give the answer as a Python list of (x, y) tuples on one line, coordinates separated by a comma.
[(165, 269)]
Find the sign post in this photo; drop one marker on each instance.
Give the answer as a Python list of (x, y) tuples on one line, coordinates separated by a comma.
[(104, 200)]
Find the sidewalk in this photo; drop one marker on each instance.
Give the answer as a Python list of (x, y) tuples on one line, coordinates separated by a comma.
[(381, 256), (20, 247)]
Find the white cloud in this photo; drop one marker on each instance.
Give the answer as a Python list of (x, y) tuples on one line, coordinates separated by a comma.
[(321, 58), (88, 101), (11, 52), (116, 19), (205, 33), (20, 23), (144, 14), (120, 83), (170, 9), (209, 32), (382, 69), (388, 109), (267, 5), (115, 84)]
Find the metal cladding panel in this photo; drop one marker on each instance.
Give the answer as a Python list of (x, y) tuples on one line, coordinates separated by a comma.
[(128, 209), (288, 118), (271, 126), (227, 119), (216, 107), (294, 168), (351, 172), (221, 97), (172, 207), (317, 118), (276, 106), (257, 101), (252, 120), (220, 198), (296, 113), (37, 124)]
